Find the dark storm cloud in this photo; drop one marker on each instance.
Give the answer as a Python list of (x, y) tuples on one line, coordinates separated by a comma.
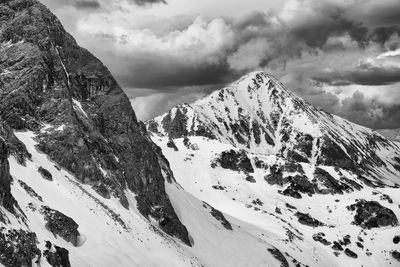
[(370, 112), (364, 74), (147, 2), (380, 13), (162, 74), (382, 34), (295, 42), (86, 4)]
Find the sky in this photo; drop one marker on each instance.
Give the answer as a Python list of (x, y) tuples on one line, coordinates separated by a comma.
[(340, 55)]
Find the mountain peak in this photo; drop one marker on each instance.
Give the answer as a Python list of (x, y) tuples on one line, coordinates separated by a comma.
[(77, 113), (256, 113), (256, 80)]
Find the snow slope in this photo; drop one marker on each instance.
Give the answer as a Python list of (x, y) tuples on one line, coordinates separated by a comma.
[(114, 236), (256, 203), (262, 155)]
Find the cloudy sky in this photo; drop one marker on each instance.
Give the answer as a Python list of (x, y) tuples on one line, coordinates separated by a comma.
[(340, 55)]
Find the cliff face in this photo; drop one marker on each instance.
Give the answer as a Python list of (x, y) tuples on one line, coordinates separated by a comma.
[(81, 117)]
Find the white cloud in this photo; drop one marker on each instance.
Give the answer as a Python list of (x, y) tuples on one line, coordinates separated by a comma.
[(250, 55), (202, 41)]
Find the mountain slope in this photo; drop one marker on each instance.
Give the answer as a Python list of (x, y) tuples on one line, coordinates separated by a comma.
[(258, 114), (322, 189), (81, 182)]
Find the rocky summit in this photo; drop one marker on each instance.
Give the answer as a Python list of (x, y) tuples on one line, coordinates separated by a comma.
[(251, 175)]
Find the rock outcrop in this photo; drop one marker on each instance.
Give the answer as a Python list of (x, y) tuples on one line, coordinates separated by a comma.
[(82, 119), (371, 214)]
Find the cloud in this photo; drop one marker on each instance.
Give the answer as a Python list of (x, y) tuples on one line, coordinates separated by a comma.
[(323, 50), (370, 112), (194, 55), (78, 4), (162, 101), (148, 2), (365, 74), (86, 4)]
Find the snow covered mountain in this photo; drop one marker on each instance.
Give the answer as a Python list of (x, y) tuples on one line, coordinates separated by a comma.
[(324, 190), (250, 176), (81, 182)]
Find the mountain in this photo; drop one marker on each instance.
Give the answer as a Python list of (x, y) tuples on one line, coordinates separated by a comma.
[(323, 190), (81, 182)]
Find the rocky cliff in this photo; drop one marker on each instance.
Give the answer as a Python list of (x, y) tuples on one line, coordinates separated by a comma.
[(80, 116)]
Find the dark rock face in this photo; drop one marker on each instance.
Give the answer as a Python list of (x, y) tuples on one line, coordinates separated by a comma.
[(7, 199), (320, 237), (30, 191), (171, 144), (370, 214), (279, 256), (17, 248), (396, 255), (250, 179), (219, 216), (332, 185), (63, 85), (337, 246), (59, 258), (275, 177), (350, 253), (306, 219), (61, 225), (396, 239), (235, 160), (300, 183), (292, 193), (45, 174)]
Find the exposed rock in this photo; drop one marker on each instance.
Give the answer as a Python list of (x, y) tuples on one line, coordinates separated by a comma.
[(337, 246), (396, 239), (30, 191), (279, 256), (306, 219), (278, 210), (102, 190), (56, 256), (61, 225), (275, 177), (332, 185), (386, 198), (17, 247), (257, 202), (290, 206), (235, 160), (370, 214), (218, 187), (320, 237), (219, 216), (51, 80), (250, 179), (396, 255), (7, 200), (45, 174), (291, 192), (346, 240), (350, 253), (171, 144)]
